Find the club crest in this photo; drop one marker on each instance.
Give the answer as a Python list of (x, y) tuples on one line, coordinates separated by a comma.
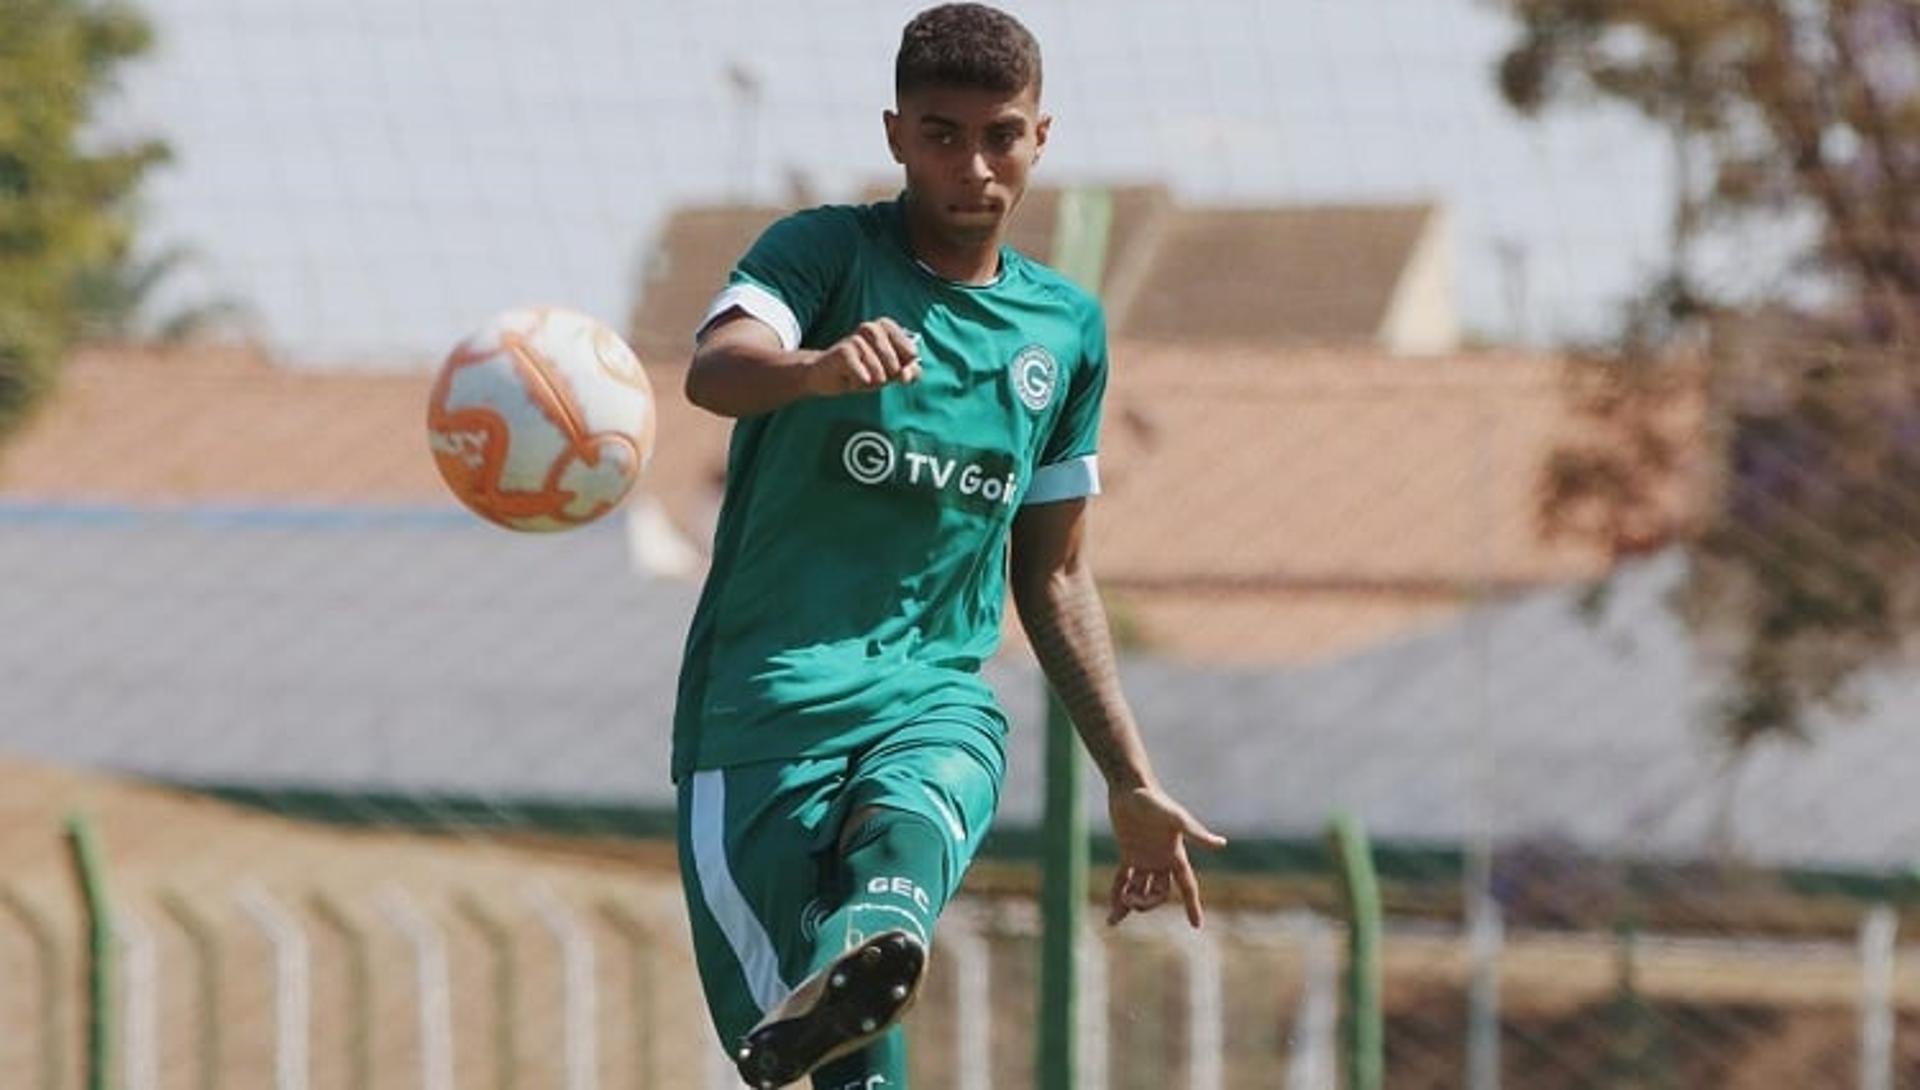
[(1034, 375)]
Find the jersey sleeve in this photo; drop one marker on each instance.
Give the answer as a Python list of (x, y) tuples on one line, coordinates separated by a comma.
[(1069, 466), (787, 276)]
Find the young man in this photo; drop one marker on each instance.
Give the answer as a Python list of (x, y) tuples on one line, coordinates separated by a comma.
[(917, 411)]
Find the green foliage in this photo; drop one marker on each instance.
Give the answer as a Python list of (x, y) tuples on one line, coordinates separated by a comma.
[(1793, 488), (114, 301), (64, 206)]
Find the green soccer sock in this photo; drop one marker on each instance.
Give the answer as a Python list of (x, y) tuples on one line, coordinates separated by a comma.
[(883, 1063), (895, 865)]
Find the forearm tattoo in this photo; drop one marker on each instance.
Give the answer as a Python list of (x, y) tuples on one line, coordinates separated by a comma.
[(1068, 628)]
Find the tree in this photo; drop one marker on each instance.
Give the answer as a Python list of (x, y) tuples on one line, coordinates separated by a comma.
[(65, 207), (1801, 519), (115, 301)]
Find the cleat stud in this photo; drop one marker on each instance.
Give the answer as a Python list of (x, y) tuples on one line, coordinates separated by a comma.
[(868, 1025), (837, 980), (899, 992), (871, 953)]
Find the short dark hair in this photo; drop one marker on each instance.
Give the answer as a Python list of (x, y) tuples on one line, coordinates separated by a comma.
[(966, 45)]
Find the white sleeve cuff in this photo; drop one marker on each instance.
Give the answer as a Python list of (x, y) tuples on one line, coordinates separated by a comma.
[(759, 303), (1068, 480)]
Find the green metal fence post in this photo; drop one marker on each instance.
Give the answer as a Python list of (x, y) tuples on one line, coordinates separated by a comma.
[(90, 872), (1362, 1028), (1063, 893), (1081, 227)]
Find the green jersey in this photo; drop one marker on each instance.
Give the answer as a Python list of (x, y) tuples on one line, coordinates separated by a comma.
[(859, 563)]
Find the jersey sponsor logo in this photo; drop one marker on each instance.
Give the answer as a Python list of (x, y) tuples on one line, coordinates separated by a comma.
[(1034, 376), (869, 457), (911, 462)]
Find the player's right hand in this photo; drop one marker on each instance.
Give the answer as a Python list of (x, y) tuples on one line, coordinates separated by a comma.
[(876, 353), (1152, 832)]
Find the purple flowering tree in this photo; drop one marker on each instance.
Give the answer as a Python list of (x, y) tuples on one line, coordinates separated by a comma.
[(1772, 434)]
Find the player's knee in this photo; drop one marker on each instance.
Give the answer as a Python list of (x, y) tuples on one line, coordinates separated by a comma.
[(898, 856), (886, 832)]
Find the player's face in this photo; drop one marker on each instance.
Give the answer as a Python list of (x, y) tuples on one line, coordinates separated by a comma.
[(967, 154)]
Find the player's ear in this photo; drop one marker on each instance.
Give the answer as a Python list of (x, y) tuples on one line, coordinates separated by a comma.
[(891, 122), (1040, 130)]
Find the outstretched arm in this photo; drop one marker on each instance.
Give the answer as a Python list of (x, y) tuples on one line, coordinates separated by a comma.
[(1054, 592)]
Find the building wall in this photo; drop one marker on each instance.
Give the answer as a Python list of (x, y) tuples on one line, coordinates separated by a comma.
[(1422, 319)]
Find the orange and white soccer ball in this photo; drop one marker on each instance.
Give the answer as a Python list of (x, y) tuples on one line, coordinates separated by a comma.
[(543, 419)]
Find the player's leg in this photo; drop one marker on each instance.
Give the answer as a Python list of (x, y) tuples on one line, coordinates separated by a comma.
[(869, 958), (841, 1023), (752, 882), (917, 806)]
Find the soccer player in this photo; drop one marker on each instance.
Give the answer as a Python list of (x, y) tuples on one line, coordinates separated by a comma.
[(917, 408)]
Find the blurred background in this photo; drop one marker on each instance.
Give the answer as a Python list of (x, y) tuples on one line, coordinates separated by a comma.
[(1512, 464)]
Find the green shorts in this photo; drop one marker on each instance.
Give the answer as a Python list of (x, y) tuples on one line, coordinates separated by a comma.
[(758, 849)]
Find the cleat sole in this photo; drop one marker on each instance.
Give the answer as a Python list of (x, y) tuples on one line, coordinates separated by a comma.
[(863, 994)]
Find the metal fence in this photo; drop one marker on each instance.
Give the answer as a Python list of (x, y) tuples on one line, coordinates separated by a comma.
[(381, 793), (528, 976)]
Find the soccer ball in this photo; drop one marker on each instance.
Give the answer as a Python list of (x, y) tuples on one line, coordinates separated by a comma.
[(542, 420)]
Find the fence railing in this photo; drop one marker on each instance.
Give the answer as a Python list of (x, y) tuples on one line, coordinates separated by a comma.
[(588, 985)]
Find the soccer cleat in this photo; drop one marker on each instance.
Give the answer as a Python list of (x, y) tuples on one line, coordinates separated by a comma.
[(835, 1011)]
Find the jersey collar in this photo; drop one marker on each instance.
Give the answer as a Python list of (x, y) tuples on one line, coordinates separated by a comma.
[(900, 235)]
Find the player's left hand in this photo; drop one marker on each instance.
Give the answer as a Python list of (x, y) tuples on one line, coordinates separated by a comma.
[(1152, 831)]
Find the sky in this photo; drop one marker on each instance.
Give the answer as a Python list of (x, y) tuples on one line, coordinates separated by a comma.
[(375, 177)]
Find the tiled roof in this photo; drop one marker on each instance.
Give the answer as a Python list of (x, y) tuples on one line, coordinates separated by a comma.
[(211, 425), (444, 656), (223, 425), (1291, 276), (1355, 477), (693, 251), (1274, 276), (1250, 626), (1258, 506), (404, 651), (686, 264), (1329, 470)]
